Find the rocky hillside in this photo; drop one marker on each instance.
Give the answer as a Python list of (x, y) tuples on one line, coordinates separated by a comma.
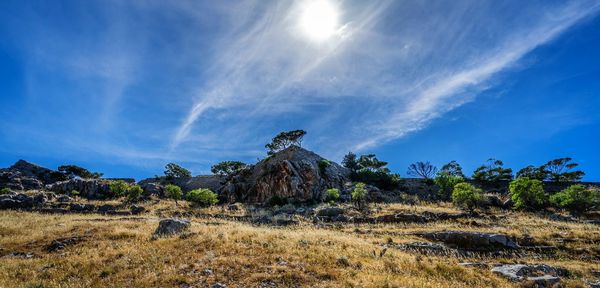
[(294, 173)]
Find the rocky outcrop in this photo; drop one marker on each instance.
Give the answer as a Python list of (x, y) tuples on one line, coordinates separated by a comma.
[(294, 173), (24, 201), (472, 240), (156, 185), (87, 188), (27, 176)]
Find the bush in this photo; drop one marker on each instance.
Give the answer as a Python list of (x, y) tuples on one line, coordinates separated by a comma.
[(134, 193), (118, 188), (74, 193), (202, 197), (173, 192), (359, 195), (5, 191), (332, 195), (446, 182), (381, 179), (278, 201), (466, 195), (527, 193), (577, 198), (323, 164)]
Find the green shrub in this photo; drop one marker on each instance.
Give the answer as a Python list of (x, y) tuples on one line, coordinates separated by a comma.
[(5, 191), (134, 193), (278, 201), (527, 193), (173, 192), (446, 182), (323, 164), (359, 195), (332, 195), (577, 198), (202, 197), (118, 188), (74, 193), (381, 179), (466, 195)]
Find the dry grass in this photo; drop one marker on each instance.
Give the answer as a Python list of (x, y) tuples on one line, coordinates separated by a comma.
[(118, 252)]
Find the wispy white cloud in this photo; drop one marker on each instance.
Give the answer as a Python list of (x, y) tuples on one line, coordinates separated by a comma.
[(403, 67)]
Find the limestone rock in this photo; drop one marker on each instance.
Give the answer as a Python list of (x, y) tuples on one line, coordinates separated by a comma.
[(87, 188), (473, 240), (293, 173), (171, 226), (541, 274)]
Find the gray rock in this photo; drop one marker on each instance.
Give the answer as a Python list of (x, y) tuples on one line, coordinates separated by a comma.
[(171, 226), (401, 217), (218, 285), (64, 199), (153, 189), (106, 209), (234, 207), (87, 188), (595, 284), (75, 207), (474, 265), (292, 173), (330, 212), (522, 272), (473, 240), (137, 209)]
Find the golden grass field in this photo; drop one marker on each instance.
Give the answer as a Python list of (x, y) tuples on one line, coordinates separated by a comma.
[(117, 251)]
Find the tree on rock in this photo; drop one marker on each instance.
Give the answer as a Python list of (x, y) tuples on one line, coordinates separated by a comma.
[(453, 169), (173, 170), (284, 140), (492, 171), (227, 168), (422, 169), (559, 170), (72, 171), (533, 172), (350, 161)]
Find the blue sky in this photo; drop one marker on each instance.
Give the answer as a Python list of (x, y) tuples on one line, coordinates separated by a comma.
[(124, 87)]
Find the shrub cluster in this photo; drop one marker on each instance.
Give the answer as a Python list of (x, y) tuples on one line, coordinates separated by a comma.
[(118, 188), (446, 182), (5, 190), (202, 197), (466, 195), (577, 198), (359, 195), (173, 192), (134, 193), (332, 195), (527, 193)]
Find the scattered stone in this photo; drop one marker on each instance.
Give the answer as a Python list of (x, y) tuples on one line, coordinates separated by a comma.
[(330, 212), (171, 226), (540, 274), (595, 284), (207, 272), (60, 244), (472, 240), (75, 207), (25, 255), (64, 199), (234, 207), (401, 218), (474, 265), (137, 209), (300, 210), (106, 209), (218, 285), (425, 247)]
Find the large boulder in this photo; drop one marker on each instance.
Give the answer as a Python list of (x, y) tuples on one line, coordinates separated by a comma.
[(167, 227), (87, 188), (293, 173), (473, 240)]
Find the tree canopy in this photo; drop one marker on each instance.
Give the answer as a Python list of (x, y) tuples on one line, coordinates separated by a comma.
[(492, 171), (453, 168), (173, 170), (227, 168), (284, 140), (72, 171), (422, 169)]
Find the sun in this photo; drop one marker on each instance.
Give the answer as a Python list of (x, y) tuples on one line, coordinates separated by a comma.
[(319, 20)]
